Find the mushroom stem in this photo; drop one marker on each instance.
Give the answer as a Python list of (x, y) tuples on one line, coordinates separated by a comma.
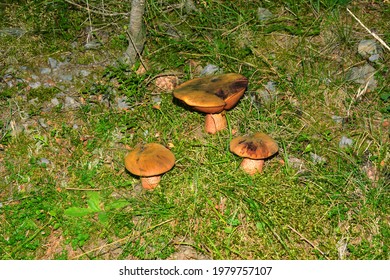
[(215, 122), (149, 183), (252, 166)]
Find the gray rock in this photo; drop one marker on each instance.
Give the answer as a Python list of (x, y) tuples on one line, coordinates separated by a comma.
[(42, 123), (122, 103), (189, 6), (65, 77), (269, 93), (345, 142), (296, 163), (316, 158), (12, 31), (84, 73), (53, 63), (35, 85), (45, 71), (71, 103), (374, 57), (264, 14), (54, 101), (34, 77), (210, 69), (362, 75), (8, 76), (369, 49), (338, 119), (156, 99), (44, 161)]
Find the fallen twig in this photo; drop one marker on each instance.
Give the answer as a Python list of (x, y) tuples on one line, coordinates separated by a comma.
[(307, 241), (369, 31)]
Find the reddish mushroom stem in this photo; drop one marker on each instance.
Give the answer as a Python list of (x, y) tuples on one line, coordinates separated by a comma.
[(215, 122), (151, 182), (252, 166)]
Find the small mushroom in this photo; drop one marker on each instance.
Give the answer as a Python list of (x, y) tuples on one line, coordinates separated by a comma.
[(254, 149), (149, 161), (213, 95)]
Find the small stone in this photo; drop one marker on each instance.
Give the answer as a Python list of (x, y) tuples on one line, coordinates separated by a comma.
[(122, 103), (10, 83), (189, 6), (8, 76), (44, 161), (12, 31), (264, 14), (297, 163), (362, 75), (71, 103), (35, 85), (156, 99), (34, 77), (338, 119), (55, 101), (65, 77), (53, 63), (45, 71), (210, 69), (19, 80), (269, 93), (42, 123), (316, 158), (368, 48), (345, 142), (75, 126), (85, 73), (374, 57)]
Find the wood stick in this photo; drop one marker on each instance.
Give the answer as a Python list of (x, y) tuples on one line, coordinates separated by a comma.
[(369, 31), (307, 241)]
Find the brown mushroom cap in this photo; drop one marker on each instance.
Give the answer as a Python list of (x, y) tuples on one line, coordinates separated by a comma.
[(149, 160), (212, 94), (256, 146)]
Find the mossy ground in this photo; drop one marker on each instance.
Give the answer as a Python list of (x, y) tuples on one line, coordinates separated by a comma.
[(296, 209)]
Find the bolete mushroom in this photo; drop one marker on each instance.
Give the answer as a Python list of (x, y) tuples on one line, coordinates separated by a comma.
[(213, 95), (254, 149), (149, 161)]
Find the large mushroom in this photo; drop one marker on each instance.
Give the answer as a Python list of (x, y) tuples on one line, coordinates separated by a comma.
[(213, 95), (149, 161), (254, 149)]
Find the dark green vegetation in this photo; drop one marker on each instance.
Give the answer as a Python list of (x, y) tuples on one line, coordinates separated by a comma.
[(64, 192)]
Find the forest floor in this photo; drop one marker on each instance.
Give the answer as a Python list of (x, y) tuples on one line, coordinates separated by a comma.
[(319, 84)]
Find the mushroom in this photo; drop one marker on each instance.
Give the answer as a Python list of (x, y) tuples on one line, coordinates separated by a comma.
[(213, 95), (149, 161), (254, 149)]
